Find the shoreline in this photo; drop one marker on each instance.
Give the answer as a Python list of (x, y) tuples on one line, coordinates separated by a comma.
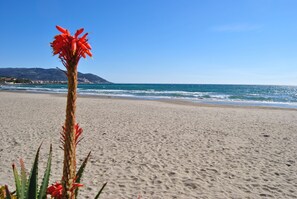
[(170, 101)]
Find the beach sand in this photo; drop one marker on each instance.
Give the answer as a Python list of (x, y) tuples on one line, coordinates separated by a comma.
[(157, 149)]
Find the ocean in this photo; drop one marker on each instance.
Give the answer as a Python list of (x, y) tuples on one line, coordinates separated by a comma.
[(241, 95)]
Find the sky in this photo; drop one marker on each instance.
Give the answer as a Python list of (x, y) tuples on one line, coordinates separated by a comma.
[(160, 41)]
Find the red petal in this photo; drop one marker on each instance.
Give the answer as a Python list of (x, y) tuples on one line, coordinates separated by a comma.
[(62, 30), (73, 46), (83, 37), (89, 53), (88, 45), (78, 32)]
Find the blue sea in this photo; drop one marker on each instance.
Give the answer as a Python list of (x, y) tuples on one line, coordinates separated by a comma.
[(241, 95)]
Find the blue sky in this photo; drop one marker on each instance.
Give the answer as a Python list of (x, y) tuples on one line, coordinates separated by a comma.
[(160, 41)]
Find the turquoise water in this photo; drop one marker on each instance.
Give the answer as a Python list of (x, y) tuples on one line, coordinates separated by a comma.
[(252, 95)]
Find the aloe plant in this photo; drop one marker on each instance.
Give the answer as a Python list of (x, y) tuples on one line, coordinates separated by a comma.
[(70, 49), (27, 187)]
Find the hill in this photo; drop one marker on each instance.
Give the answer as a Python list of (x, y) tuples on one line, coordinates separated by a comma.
[(41, 75)]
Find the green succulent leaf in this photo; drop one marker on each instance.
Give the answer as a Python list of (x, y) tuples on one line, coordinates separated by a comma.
[(44, 184), (81, 170), (17, 181), (32, 181), (97, 196), (23, 180)]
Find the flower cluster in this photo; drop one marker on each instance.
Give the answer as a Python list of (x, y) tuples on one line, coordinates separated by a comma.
[(78, 132), (56, 189), (71, 48)]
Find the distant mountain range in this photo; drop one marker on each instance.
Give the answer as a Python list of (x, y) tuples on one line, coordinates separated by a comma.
[(52, 75)]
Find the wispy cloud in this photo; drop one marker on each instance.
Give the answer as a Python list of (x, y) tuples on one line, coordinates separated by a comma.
[(236, 28)]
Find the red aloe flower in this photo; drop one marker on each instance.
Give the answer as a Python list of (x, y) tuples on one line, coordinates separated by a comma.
[(56, 189), (78, 138), (70, 48)]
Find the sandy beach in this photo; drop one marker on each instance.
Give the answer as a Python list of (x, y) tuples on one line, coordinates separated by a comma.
[(157, 149)]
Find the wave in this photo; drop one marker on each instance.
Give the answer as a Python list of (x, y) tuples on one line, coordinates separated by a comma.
[(260, 97)]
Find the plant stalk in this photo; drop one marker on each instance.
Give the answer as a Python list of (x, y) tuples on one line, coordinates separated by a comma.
[(69, 167)]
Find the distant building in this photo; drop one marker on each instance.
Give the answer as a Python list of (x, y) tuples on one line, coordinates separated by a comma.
[(13, 80), (7, 80)]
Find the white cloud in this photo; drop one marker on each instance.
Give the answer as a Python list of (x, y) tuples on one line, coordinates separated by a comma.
[(236, 28)]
